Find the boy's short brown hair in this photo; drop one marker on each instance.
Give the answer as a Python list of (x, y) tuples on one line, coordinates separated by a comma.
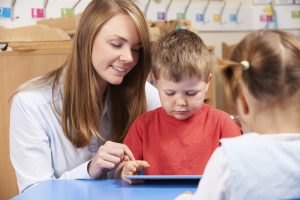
[(181, 53)]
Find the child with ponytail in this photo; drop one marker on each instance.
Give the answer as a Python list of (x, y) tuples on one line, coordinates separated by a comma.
[(262, 80)]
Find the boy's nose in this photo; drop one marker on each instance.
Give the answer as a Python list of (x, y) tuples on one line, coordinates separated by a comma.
[(181, 102)]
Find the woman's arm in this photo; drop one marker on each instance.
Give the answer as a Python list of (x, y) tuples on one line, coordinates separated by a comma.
[(31, 151), (40, 151)]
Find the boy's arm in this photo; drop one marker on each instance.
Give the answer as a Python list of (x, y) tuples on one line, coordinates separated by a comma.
[(134, 140)]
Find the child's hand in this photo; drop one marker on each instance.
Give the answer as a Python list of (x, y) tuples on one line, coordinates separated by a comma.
[(132, 168), (184, 195)]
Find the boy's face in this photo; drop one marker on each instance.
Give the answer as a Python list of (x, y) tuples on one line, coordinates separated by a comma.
[(182, 99)]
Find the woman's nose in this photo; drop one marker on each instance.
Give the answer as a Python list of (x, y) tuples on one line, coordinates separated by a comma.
[(126, 56)]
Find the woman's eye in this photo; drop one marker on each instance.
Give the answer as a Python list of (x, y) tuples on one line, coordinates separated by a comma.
[(137, 49), (169, 93), (116, 45), (191, 93)]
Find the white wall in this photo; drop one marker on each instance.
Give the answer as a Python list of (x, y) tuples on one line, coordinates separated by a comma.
[(22, 10), (248, 15), (213, 32)]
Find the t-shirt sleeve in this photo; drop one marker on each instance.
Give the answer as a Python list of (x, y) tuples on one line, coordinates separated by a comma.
[(229, 128), (134, 138)]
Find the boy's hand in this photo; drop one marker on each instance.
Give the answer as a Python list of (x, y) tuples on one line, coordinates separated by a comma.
[(132, 168)]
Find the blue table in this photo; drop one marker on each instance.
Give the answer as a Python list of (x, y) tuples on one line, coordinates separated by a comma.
[(112, 189)]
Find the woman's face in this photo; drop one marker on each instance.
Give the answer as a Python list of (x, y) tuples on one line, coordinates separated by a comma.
[(116, 49)]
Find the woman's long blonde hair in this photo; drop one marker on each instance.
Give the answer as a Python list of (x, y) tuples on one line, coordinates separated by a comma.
[(82, 102)]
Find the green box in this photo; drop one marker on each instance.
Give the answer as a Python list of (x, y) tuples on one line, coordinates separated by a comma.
[(296, 14), (180, 16), (67, 12)]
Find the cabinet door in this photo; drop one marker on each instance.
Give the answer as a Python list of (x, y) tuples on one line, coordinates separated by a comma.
[(15, 69)]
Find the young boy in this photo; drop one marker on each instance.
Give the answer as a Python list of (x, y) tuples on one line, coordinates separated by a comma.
[(179, 137)]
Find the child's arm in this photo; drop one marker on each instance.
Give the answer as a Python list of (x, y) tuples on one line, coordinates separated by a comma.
[(128, 167), (215, 182)]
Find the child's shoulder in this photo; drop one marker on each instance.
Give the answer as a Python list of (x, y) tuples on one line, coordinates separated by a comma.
[(242, 144), (249, 137), (214, 112), (148, 115)]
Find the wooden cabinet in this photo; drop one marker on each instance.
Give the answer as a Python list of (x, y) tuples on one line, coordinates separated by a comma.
[(16, 67), (227, 50), (211, 94)]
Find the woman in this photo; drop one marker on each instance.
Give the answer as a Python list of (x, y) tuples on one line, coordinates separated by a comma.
[(59, 121)]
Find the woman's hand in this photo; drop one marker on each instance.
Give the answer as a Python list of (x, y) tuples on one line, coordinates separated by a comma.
[(108, 157), (132, 168)]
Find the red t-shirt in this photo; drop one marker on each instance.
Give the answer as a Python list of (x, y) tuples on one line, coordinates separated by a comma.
[(175, 147)]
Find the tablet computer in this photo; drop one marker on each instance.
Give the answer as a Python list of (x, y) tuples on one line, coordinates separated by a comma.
[(164, 177)]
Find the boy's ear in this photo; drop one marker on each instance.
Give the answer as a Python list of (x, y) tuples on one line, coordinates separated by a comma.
[(208, 82)]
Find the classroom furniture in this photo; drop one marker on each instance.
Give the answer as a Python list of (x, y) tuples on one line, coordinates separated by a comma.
[(227, 50), (16, 67), (112, 189)]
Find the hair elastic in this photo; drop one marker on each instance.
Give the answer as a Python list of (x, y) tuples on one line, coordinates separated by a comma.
[(246, 64)]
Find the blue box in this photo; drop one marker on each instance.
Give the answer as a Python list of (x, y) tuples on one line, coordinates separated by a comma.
[(5, 12), (233, 17), (199, 17)]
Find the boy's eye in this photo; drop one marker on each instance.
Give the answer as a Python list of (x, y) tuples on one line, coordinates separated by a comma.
[(191, 93)]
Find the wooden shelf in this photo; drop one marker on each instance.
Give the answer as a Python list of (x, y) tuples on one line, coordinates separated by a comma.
[(16, 67)]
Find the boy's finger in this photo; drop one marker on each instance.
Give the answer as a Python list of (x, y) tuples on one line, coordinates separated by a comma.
[(126, 158), (141, 163), (126, 180), (130, 166)]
